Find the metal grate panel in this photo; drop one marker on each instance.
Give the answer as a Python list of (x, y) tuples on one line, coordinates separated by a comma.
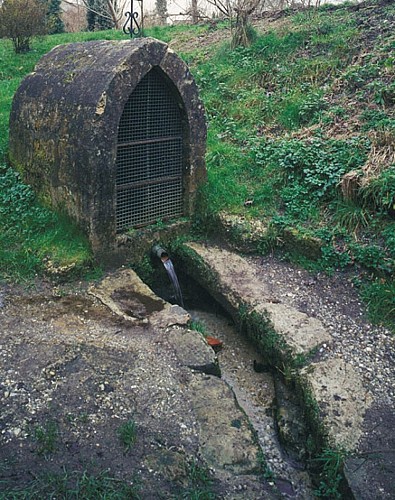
[(143, 205), (141, 162), (149, 155)]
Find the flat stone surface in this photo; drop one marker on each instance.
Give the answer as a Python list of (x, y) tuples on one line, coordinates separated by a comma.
[(225, 436), (240, 284), (126, 280), (129, 297), (237, 279), (342, 399), (193, 351), (300, 331)]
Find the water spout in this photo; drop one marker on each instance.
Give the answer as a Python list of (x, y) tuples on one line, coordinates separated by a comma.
[(161, 253)]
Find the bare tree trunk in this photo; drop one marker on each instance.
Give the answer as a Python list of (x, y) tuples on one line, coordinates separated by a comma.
[(194, 12), (243, 32), (161, 11), (114, 16)]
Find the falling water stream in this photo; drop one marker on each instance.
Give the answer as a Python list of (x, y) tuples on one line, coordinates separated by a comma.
[(173, 277)]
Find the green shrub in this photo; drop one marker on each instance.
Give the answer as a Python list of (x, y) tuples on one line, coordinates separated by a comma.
[(20, 20), (316, 164), (372, 256), (349, 215), (300, 107), (380, 298), (376, 119)]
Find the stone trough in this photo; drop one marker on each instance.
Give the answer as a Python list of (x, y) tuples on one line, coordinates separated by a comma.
[(332, 389), (331, 392)]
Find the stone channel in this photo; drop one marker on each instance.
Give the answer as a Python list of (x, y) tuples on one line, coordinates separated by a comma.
[(255, 392)]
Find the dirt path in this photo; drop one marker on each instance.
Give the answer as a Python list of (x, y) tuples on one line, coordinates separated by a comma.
[(73, 376)]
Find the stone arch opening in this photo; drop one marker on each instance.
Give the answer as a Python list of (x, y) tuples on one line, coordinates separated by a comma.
[(151, 154)]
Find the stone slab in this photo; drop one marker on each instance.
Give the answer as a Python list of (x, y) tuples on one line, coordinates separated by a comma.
[(299, 331), (237, 280), (239, 284), (342, 399), (127, 296), (193, 351), (225, 436)]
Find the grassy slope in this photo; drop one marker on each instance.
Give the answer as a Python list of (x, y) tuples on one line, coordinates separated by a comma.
[(310, 101), (302, 135)]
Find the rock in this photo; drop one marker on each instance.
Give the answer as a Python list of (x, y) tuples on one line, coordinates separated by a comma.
[(172, 314), (127, 296), (342, 399), (299, 331), (170, 464), (236, 284), (192, 350), (130, 298), (225, 436)]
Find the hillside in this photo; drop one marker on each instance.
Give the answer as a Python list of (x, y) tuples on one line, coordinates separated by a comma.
[(100, 397), (300, 148)]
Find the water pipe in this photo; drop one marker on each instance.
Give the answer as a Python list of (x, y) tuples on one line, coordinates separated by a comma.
[(160, 252)]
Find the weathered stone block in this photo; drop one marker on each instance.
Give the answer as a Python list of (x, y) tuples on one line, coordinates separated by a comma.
[(64, 134), (342, 400), (193, 351)]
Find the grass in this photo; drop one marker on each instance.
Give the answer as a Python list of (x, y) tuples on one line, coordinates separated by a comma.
[(46, 437), (288, 117), (73, 485), (330, 463), (32, 236), (200, 484), (380, 297), (198, 326), (127, 434)]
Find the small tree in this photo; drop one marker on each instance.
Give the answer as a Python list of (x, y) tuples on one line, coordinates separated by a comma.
[(241, 29), (243, 34), (54, 19), (104, 14), (161, 10), (98, 16), (21, 20)]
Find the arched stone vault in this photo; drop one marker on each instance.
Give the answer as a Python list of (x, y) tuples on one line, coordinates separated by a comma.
[(64, 127)]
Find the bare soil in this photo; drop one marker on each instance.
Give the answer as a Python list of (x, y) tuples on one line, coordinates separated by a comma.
[(72, 374)]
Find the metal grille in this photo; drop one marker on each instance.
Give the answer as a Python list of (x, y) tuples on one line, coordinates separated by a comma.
[(149, 156)]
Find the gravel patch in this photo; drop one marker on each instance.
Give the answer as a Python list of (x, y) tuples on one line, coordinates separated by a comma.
[(335, 302)]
